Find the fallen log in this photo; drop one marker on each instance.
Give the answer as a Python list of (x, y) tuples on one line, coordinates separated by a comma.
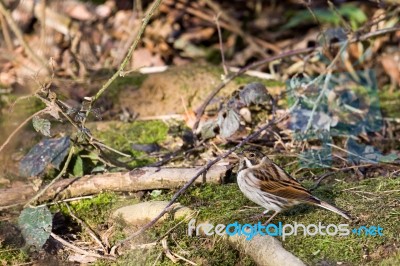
[(147, 178), (264, 250)]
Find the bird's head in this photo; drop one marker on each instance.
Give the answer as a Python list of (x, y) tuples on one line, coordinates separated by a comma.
[(249, 158)]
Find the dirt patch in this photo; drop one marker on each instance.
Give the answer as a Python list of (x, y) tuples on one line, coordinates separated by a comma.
[(167, 92)]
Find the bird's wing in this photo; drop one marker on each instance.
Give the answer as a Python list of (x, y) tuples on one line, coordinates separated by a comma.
[(276, 181)]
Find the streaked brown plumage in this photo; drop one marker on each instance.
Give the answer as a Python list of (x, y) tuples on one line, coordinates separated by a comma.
[(268, 185)]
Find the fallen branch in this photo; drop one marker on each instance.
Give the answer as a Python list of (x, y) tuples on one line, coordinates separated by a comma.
[(146, 178), (264, 250)]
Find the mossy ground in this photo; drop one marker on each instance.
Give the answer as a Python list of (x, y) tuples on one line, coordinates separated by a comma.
[(372, 202), (389, 103), (121, 136), (12, 256)]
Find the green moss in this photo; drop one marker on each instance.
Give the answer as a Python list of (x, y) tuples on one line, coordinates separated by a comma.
[(389, 103), (215, 203), (12, 256), (94, 211), (244, 79), (121, 136), (369, 201), (395, 260)]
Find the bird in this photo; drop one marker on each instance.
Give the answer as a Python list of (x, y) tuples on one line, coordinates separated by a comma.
[(271, 187)]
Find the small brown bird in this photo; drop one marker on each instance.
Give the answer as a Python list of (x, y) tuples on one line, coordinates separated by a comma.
[(268, 185)]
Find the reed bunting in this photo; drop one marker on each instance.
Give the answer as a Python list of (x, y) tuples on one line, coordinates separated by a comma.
[(268, 185)]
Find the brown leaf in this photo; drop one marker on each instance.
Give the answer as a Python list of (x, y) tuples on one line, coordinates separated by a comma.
[(391, 64)]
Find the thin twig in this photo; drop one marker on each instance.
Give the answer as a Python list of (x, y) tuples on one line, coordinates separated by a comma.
[(322, 177), (6, 33), (111, 149), (200, 173), (351, 153), (78, 249), (201, 109), (187, 218), (92, 233), (60, 106), (124, 63), (66, 200), (154, 243), (374, 34), (221, 45), (157, 259), (319, 98)]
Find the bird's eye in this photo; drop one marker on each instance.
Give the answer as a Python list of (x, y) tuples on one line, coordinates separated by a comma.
[(252, 155)]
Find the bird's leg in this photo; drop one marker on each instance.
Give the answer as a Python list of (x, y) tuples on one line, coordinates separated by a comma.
[(270, 218), (259, 216)]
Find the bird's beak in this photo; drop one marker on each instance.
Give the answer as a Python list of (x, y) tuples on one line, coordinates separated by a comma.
[(233, 158)]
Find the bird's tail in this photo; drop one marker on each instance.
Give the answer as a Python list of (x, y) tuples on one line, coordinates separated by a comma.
[(330, 207)]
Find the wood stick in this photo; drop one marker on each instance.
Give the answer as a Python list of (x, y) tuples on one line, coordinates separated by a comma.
[(146, 178)]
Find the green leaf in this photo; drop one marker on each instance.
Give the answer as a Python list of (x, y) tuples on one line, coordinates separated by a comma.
[(390, 158), (78, 167), (356, 15), (305, 17), (41, 125), (35, 224), (98, 169), (155, 193), (325, 16)]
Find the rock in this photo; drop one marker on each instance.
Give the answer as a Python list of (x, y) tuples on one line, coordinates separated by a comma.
[(145, 211)]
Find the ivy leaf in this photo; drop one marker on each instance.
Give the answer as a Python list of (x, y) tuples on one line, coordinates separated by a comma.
[(78, 167), (48, 151), (98, 169), (229, 122), (36, 225), (367, 153), (155, 193), (254, 93), (390, 158), (41, 125), (320, 120)]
